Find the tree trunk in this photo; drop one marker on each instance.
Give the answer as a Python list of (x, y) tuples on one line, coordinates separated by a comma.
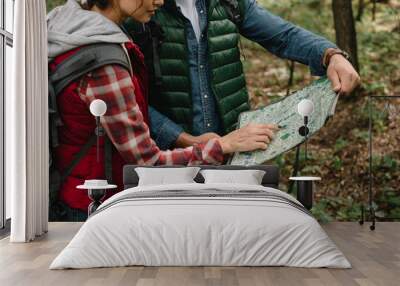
[(361, 6), (291, 77), (373, 9), (346, 37)]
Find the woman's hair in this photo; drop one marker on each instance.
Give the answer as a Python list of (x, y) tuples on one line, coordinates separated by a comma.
[(102, 4)]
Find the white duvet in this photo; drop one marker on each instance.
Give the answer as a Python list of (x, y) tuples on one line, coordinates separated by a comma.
[(202, 231)]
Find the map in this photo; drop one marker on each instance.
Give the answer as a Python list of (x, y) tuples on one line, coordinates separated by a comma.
[(284, 113)]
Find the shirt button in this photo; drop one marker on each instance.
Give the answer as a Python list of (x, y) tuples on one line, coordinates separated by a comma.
[(205, 96), (201, 66), (208, 124), (201, 11)]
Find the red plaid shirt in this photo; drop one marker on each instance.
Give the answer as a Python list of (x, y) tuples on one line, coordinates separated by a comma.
[(126, 128)]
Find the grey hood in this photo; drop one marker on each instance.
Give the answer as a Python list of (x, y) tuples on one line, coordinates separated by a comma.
[(69, 26)]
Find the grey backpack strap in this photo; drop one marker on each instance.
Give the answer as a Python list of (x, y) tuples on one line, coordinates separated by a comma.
[(87, 59), (55, 120), (78, 156)]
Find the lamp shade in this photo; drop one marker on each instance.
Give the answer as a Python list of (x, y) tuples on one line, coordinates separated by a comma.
[(305, 107), (98, 107)]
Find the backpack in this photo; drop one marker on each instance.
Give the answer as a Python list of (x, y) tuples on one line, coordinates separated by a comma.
[(86, 59), (232, 8), (149, 37)]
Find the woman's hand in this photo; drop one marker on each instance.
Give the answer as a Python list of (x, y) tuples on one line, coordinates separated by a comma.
[(185, 139), (248, 138)]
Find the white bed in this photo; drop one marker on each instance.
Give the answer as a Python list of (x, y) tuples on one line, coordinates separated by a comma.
[(223, 225)]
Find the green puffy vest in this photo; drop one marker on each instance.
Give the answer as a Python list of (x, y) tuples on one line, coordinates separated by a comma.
[(227, 78)]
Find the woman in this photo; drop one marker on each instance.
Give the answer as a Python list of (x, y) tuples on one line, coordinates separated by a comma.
[(126, 122)]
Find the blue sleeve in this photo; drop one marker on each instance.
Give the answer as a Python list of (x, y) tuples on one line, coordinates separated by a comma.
[(284, 39), (164, 131)]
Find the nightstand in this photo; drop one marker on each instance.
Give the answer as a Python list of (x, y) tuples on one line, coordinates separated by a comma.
[(97, 190), (305, 187)]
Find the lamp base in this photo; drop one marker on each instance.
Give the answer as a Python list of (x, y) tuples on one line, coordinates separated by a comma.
[(305, 186), (96, 195), (305, 193), (303, 131)]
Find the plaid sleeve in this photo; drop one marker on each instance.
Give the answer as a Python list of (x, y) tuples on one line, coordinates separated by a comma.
[(126, 128)]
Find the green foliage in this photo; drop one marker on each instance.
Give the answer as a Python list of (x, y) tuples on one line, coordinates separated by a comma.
[(310, 14), (360, 134), (384, 163), (379, 115), (280, 161), (349, 211), (274, 98), (337, 208), (378, 55), (389, 203), (319, 211), (258, 93), (312, 169), (51, 4), (389, 163), (337, 163), (375, 87), (340, 144)]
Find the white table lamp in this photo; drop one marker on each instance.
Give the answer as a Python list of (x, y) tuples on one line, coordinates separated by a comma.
[(98, 108), (305, 108)]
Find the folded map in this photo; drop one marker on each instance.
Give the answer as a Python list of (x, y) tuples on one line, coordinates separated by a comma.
[(284, 113)]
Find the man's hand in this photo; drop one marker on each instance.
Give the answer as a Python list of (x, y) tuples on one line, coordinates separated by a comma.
[(185, 139), (342, 75)]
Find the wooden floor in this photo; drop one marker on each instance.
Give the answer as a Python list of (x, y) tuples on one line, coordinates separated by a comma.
[(375, 257)]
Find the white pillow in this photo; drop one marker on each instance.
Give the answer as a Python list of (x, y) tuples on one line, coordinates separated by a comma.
[(166, 176), (247, 177)]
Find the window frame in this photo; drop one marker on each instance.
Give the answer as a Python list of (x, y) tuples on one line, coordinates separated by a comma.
[(6, 39)]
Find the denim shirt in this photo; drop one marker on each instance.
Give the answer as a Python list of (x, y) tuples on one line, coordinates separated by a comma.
[(276, 35)]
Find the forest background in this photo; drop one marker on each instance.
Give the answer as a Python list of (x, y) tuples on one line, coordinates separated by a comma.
[(370, 31)]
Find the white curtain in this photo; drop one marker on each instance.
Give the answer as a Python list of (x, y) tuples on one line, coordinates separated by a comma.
[(27, 124)]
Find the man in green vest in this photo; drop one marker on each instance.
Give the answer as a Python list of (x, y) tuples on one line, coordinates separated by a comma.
[(198, 87)]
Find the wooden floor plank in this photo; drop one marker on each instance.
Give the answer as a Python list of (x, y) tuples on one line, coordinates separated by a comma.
[(375, 257)]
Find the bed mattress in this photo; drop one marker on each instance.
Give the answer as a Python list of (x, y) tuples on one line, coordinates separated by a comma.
[(201, 225)]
